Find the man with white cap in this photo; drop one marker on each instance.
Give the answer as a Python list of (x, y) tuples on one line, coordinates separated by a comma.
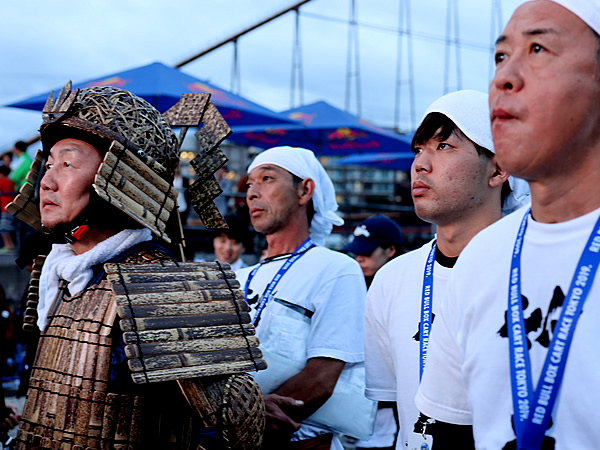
[(458, 187), (514, 329), (307, 302)]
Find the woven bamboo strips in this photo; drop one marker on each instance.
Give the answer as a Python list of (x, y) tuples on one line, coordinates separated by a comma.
[(192, 346), (150, 277), (167, 266), (156, 207), (144, 184), (90, 362), (188, 111), (109, 420), (206, 164), (140, 203), (61, 411), (102, 369), (110, 314), (71, 415), (178, 286), (148, 221), (157, 298), (199, 398), (34, 168), (25, 208), (152, 323), (204, 191), (147, 167), (183, 334), (211, 217), (95, 422), (83, 416), (193, 359), (197, 371), (125, 311), (215, 129)]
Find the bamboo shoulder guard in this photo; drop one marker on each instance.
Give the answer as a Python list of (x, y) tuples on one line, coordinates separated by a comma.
[(183, 320)]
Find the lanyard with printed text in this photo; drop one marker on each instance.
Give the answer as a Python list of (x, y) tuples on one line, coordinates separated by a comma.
[(426, 306), (296, 255), (532, 410)]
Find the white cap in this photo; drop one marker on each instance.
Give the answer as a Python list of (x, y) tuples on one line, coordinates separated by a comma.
[(304, 164), (470, 112)]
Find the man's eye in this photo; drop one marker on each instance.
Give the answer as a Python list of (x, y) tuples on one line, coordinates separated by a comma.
[(416, 150), (499, 57), (67, 164), (443, 146), (536, 48), (49, 166)]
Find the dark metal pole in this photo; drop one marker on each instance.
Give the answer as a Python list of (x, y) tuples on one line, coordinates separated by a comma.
[(241, 33)]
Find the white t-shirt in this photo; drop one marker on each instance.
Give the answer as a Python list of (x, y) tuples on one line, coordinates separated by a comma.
[(392, 325), (322, 297), (469, 343)]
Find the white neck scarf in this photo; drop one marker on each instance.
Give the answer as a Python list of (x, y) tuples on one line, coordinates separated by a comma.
[(64, 264)]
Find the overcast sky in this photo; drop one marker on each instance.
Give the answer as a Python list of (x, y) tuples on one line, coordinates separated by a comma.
[(45, 43)]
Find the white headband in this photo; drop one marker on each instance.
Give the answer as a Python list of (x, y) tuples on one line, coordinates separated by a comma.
[(469, 110), (304, 164), (587, 10)]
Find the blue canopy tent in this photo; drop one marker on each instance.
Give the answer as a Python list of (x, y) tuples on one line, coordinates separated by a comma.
[(324, 129), (162, 86), (391, 161)]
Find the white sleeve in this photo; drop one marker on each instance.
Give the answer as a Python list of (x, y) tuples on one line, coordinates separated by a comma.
[(442, 393), (379, 364), (337, 325)]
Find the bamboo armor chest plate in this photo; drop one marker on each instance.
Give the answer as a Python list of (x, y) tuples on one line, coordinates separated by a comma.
[(179, 322)]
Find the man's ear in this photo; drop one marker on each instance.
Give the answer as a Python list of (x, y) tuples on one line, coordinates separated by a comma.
[(499, 176), (306, 189)]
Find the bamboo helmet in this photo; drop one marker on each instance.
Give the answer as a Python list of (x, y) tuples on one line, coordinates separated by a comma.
[(141, 155)]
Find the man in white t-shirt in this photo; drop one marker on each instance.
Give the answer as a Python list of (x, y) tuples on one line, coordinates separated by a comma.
[(307, 303), (458, 187), (514, 329)]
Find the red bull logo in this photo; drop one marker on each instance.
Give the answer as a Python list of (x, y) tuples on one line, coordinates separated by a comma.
[(270, 137), (111, 81), (217, 95), (346, 134), (305, 118)]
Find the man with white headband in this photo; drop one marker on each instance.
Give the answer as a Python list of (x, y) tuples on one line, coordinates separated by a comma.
[(307, 303), (519, 327), (458, 187)]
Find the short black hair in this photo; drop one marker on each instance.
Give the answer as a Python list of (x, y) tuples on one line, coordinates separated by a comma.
[(4, 170), (21, 146), (439, 127)]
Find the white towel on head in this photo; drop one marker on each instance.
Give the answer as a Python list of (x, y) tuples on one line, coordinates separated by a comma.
[(64, 264), (304, 164), (586, 10)]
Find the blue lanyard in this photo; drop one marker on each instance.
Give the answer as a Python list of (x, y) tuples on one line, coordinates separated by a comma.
[(532, 410), (426, 306), (296, 255)]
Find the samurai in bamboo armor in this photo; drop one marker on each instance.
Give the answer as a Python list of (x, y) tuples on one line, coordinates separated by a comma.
[(137, 350)]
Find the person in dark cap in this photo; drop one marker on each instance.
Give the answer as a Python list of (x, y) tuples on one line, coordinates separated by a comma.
[(377, 240)]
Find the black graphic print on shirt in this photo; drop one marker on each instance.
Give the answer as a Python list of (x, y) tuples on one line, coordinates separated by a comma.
[(417, 336), (252, 300), (541, 328)]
